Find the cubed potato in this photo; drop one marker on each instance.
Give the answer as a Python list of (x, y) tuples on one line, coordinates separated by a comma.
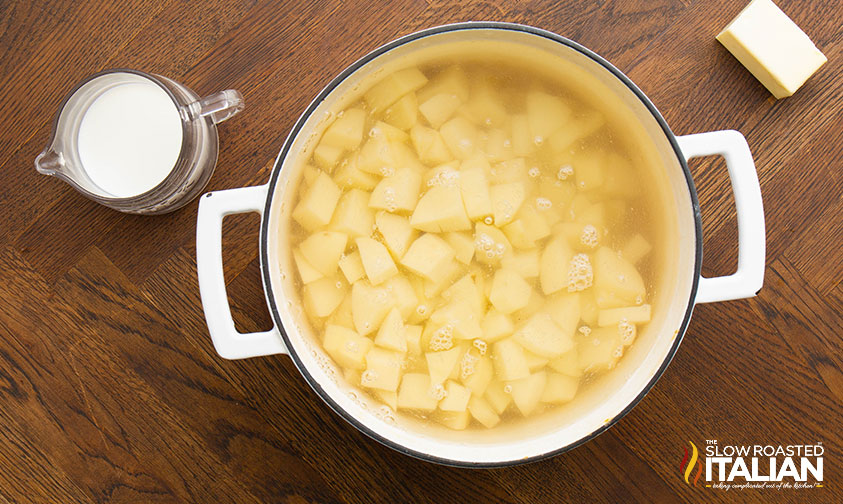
[(389, 133), (429, 145), (376, 156), (415, 393), (509, 359), (342, 314), (543, 337), (459, 315), (430, 257), (403, 295), (443, 174), (390, 398), (439, 108), (353, 215), (383, 369), (616, 281), (460, 136), (599, 350), (635, 249), (478, 380), (440, 209), (554, 265), (321, 297), (525, 263), (350, 176), (564, 308), (403, 113), (559, 388), (506, 201), (433, 288), (535, 226), (527, 392), (509, 291), (413, 335), (377, 263), (490, 244), (352, 375), (589, 170), (522, 143), (317, 205), (456, 399), (466, 291), (352, 267), (516, 232), (392, 87), (369, 306), (588, 307), (396, 232), (498, 146), (323, 250), (462, 244), (620, 178), (327, 156), (496, 326), (440, 365), (546, 114), (567, 364), (307, 272), (391, 332), (632, 314), (455, 420), (565, 137), (346, 131), (483, 412), (398, 192), (509, 171), (498, 397), (309, 174), (535, 304), (451, 80), (474, 187), (535, 362), (487, 105), (346, 347)]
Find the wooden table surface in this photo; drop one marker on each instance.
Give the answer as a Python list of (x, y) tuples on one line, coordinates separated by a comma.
[(110, 389)]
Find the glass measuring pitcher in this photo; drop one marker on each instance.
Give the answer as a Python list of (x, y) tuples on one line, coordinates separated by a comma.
[(136, 142)]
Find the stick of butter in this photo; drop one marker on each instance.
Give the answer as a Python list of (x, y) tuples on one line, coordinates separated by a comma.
[(770, 45)]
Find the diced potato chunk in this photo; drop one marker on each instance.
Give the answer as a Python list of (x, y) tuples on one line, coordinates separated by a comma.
[(383, 369), (413, 334), (376, 260), (353, 215), (582, 127), (342, 314), (535, 362), (506, 201), (490, 244), (392, 87), (616, 281), (456, 398), (635, 249), (352, 267), (466, 291), (525, 263), (307, 272), (631, 314), (369, 306), (327, 156), (567, 364), (535, 226), (559, 388), (346, 347), (323, 250), (403, 295), (497, 396), (564, 308), (440, 209), (475, 189), (462, 244), (397, 192), (403, 113), (496, 326), (510, 362), (321, 297), (499, 145), (589, 171), (388, 132), (460, 136), (452, 80), (441, 365), (415, 393), (455, 420), (522, 143), (460, 317), (543, 337), (546, 114), (318, 203), (349, 175), (390, 398), (600, 350), (439, 108), (527, 392), (429, 145), (429, 256), (555, 262), (396, 231), (346, 131), (391, 332), (509, 291), (487, 105), (480, 377), (483, 412)]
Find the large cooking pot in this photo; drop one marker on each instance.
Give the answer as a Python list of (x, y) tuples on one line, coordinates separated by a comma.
[(597, 406)]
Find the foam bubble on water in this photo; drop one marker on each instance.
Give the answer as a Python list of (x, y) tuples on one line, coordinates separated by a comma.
[(339, 284), (352, 346), (565, 171), (500, 248), (467, 365), (438, 392), (507, 143), (538, 140), (595, 342), (442, 339), (421, 310), (374, 132), (534, 172), (580, 274), (589, 236), (507, 388), (543, 203), (368, 377), (487, 121), (466, 144), (584, 330), (639, 300), (388, 171), (618, 352), (481, 346), (627, 331), (488, 220)]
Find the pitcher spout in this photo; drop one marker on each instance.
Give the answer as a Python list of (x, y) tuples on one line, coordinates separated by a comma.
[(49, 162)]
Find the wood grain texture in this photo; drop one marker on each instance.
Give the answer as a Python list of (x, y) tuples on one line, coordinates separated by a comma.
[(110, 390)]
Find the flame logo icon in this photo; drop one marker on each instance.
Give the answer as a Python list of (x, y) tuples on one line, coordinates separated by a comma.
[(687, 466)]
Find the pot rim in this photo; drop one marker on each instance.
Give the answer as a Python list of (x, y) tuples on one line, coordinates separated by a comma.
[(351, 69)]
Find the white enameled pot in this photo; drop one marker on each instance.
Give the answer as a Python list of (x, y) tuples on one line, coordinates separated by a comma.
[(605, 400)]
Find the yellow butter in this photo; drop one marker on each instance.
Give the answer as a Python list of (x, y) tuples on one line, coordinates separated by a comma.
[(770, 45)]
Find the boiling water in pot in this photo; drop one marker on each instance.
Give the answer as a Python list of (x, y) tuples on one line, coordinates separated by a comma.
[(474, 242)]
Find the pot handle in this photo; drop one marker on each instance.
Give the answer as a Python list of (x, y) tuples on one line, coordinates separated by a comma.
[(747, 280), (229, 343)]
